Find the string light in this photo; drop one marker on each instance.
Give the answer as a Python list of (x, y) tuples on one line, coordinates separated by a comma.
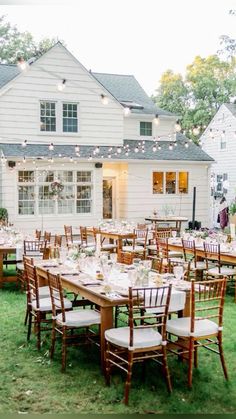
[(51, 147), (186, 144), (196, 130), (22, 64), (77, 149), (170, 146), (127, 111), (24, 143), (61, 86), (154, 148), (159, 147), (136, 150), (118, 150), (177, 126), (104, 99), (156, 120)]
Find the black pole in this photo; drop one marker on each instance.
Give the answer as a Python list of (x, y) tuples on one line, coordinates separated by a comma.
[(194, 207)]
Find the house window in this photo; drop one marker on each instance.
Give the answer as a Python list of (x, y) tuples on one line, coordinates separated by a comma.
[(84, 192), (47, 116), (146, 128), (70, 117), (36, 196), (158, 182), (170, 182), (183, 182), (26, 192)]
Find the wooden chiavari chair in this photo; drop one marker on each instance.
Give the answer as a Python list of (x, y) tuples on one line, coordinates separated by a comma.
[(125, 257), (140, 340), (135, 247), (165, 252), (57, 240), (204, 326), (67, 321), (189, 251), (69, 237), (47, 236), (109, 247), (38, 234)]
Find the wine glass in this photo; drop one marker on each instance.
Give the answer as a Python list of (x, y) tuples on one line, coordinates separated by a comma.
[(174, 233), (178, 272)]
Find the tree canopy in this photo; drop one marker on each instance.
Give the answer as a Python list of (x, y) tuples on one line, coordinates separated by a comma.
[(195, 97), (15, 44)]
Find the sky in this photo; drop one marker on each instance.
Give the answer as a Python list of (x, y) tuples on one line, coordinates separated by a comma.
[(139, 37)]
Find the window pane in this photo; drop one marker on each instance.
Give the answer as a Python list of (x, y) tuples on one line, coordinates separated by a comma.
[(48, 117), (183, 182), (70, 117), (83, 207), (66, 201), (26, 176), (146, 128), (157, 182), (84, 176), (170, 182), (65, 175), (26, 200)]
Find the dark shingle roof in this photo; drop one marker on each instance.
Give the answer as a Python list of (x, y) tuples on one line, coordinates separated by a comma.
[(179, 153), (231, 107), (126, 88), (7, 73)]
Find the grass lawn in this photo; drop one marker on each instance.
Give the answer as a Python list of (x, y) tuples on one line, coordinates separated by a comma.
[(30, 383)]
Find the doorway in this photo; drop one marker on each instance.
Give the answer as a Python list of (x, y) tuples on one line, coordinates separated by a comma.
[(108, 197)]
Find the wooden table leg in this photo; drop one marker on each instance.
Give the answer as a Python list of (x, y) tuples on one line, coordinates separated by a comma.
[(106, 323), (1, 269)]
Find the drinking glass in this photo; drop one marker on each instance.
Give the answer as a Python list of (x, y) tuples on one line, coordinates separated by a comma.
[(174, 233), (132, 277), (178, 272), (113, 257)]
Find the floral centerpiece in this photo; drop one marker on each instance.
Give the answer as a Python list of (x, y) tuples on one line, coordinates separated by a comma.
[(232, 211), (56, 188)]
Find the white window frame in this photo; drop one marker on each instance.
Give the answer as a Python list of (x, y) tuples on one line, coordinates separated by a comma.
[(59, 119)]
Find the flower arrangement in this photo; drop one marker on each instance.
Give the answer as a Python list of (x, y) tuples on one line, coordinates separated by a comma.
[(56, 188), (232, 207)]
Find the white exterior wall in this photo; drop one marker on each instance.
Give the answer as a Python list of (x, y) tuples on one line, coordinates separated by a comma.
[(225, 159), (20, 104), (132, 126), (141, 201), (52, 222)]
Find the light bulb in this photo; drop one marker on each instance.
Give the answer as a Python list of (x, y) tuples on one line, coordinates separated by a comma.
[(186, 144), (177, 126), (211, 133), (71, 159), (171, 146), (196, 131), (104, 99), (159, 147), (51, 147), (175, 143), (109, 156), (61, 86), (156, 120), (223, 134), (118, 150), (22, 64), (126, 111), (136, 150), (24, 144), (77, 149)]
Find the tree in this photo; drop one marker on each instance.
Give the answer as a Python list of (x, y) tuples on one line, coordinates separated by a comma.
[(208, 83), (228, 44), (15, 44)]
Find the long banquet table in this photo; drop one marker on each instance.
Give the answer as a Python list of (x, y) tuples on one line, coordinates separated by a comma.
[(95, 293), (5, 249)]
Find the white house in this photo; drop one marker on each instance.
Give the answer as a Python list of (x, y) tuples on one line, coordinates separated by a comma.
[(115, 153), (219, 141)]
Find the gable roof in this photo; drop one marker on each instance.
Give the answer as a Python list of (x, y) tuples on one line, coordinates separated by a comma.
[(7, 73), (231, 107), (179, 153), (126, 89)]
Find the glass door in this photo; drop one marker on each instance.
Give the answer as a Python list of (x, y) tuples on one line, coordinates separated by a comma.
[(108, 198)]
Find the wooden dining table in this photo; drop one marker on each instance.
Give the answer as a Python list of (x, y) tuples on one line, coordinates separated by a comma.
[(113, 235), (95, 293), (5, 250), (168, 220)]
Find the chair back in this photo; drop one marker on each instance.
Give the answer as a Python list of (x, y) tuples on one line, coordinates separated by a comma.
[(207, 301), (189, 248), (68, 235), (34, 248), (83, 235), (157, 265), (162, 233), (125, 257), (140, 234), (56, 294), (141, 226), (47, 236), (57, 240), (38, 234), (163, 247), (212, 253), (142, 299), (32, 282)]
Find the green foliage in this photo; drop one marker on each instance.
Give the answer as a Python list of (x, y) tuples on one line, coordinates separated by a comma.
[(232, 207), (15, 44), (3, 214), (31, 383), (208, 83)]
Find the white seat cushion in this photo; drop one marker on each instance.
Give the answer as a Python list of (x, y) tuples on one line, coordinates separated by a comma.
[(223, 271), (152, 247), (143, 338), (131, 249), (45, 304), (173, 254), (181, 327), (109, 246), (44, 292), (80, 318), (199, 266), (20, 266)]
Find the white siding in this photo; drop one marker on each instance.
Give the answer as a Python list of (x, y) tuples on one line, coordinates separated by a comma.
[(224, 159), (132, 127), (53, 223), (19, 106), (141, 201)]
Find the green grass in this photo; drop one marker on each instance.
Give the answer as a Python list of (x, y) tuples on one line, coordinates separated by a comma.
[(30, 383)]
